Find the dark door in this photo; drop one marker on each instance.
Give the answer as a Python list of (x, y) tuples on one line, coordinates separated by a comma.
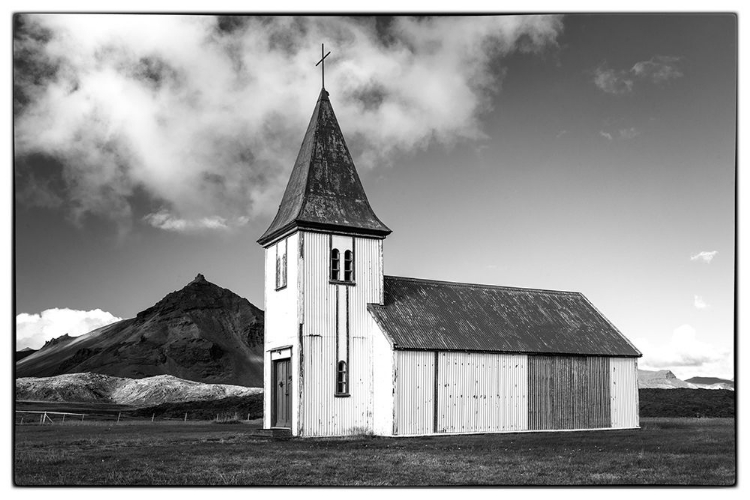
[(282, 394)]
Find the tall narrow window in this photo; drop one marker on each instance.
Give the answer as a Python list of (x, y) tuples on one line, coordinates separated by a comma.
[(348, 266), (335, 265), (342, 378), (280, 265)]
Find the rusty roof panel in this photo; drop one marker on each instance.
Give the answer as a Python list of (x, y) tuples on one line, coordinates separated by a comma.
[(437, 315), (324, 190)]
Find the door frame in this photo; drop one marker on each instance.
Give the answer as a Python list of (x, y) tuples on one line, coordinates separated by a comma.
[(283, 354)]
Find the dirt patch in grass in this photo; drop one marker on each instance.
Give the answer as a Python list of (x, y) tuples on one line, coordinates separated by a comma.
[(664, 451)]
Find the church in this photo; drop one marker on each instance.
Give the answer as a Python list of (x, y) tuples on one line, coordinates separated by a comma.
[(351, 351)]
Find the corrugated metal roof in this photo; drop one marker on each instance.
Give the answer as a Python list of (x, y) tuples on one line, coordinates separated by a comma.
[(437, 315), (324, 190)]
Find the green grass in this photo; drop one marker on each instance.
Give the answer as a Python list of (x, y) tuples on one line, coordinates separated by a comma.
[(691, 403), (664, 451)]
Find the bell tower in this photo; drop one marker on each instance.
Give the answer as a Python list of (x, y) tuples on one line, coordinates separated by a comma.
[(323, 265)]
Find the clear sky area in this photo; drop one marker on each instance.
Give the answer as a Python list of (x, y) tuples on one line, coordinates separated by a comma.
[(593, 153)]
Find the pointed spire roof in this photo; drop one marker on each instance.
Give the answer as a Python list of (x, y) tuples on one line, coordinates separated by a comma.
[(324, 190)]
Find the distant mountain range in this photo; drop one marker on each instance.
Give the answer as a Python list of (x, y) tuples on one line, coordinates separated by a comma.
[(665, 379), (202, 333)]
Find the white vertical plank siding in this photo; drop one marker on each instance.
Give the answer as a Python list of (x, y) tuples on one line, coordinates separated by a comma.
[(281, 326), (624, 392), (480, 392), (415, 388), (323, 413)]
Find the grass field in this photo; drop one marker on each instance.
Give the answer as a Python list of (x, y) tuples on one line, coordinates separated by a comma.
[(663, 451)]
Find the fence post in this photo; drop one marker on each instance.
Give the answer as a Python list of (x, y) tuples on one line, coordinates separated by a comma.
[(185, 417), (63, 418), (152, 416), (41, 419), (118, 417)]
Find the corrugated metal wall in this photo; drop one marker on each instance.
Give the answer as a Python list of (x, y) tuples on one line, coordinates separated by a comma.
[(624, 392), (568, 392), (480, 392), (476, 392), (324, 414), (383, 381), (415, 387)]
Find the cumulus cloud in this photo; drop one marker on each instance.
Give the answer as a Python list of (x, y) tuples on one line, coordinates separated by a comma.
[(704, 256), (204, 115), (658, 70), (606, 135), (686, 355), (33, 330), (699, 303)]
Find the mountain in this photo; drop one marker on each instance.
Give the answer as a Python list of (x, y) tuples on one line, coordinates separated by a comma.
[(665, 379), (26, 351), (97, 388), (661, 379), (202, 333), (712, 382)]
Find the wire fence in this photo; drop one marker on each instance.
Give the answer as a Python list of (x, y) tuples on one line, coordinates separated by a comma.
[(45, 417)]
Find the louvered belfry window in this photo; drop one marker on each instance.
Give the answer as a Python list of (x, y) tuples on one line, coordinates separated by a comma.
[(348, 266), (335, 265), (342, 378)]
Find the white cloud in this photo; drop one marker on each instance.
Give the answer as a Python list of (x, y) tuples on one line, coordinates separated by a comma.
[(658, 69), (204, 116), (33, 330), (623, 134), (699, 303), (686, 355), (704, 256), (611, 81), (167, 221), (628, 133)]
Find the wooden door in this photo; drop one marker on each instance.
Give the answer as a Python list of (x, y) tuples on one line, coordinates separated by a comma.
[(282, 394)]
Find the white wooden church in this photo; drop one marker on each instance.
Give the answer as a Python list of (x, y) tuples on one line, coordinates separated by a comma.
[(349, 350)]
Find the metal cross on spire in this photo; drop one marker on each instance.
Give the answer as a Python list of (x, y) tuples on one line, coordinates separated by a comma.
[(323, 67)]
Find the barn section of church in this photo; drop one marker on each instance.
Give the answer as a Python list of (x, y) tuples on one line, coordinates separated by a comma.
[(349, 350), (481, 358)]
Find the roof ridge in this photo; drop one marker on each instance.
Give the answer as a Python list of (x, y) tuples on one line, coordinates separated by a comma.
[(485, 285)]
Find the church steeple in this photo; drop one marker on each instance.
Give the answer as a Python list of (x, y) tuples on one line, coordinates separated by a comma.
[(324, 191)]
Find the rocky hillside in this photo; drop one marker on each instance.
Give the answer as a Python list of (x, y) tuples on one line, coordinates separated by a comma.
[(28, 351), (202, 333), (97, 388)]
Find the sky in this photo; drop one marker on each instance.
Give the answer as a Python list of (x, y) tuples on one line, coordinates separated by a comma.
[(593, 153)]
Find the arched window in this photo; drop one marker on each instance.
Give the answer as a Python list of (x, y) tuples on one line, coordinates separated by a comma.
[(348, 266), (342, 379), (335, 264)]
